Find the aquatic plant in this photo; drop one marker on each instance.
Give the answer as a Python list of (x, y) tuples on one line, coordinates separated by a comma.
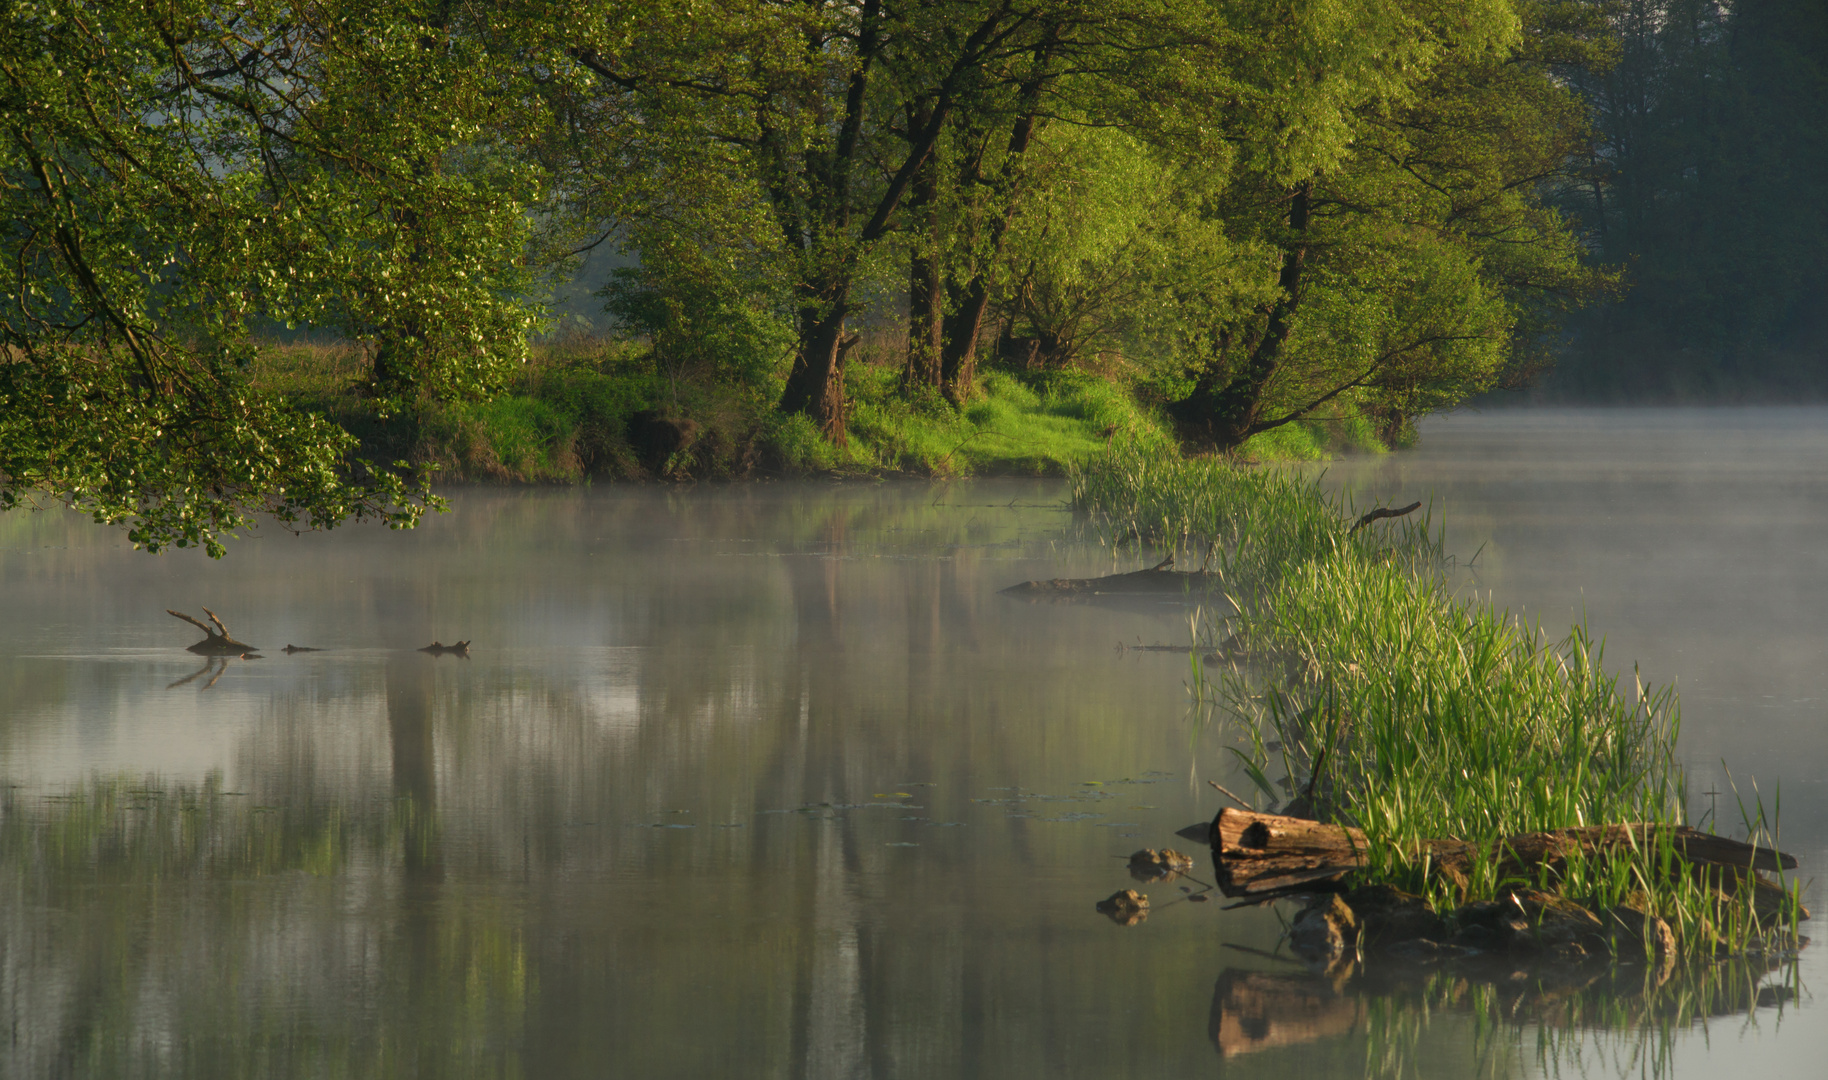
[(1390, 702)]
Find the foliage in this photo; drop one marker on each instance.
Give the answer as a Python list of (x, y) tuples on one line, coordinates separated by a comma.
[(1110, 250), (704, 320), (1330, 212), (168, 177), (1422, 267)]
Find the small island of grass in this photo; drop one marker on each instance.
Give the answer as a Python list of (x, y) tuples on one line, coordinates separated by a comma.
[(1466, 775)]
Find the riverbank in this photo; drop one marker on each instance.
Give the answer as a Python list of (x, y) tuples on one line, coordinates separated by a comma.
[(601, 409)]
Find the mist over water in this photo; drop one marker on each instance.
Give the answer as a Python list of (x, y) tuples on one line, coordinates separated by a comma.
[(769, 781)]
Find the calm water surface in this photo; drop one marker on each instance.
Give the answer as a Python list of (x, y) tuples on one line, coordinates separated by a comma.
[(769, 781)]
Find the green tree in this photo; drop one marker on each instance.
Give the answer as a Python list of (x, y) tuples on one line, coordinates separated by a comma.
[(832, 120), (170, 174), (1423, 266), (1113, 249)]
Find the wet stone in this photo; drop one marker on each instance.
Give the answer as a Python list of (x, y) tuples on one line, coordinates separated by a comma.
[(1125, 908), (1164, 865), (1324, 930)]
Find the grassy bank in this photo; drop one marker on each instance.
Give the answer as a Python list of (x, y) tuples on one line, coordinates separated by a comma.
[(576, 414), (1367, 685)]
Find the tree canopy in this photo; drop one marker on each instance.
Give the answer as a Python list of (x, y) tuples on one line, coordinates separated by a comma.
[(1270, 208)]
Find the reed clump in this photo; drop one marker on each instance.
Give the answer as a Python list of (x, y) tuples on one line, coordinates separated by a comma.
[(1374, 694)]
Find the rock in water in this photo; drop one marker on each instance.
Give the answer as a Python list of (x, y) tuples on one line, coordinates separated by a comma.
[(1164, 865), (1126, 908), (1324, 930)]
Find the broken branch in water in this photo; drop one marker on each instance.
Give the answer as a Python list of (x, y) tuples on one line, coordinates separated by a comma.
[(218, 643), (1384, 512)]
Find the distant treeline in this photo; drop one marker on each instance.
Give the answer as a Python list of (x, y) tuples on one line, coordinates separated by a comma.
[(1245, 213), (1708, 185)]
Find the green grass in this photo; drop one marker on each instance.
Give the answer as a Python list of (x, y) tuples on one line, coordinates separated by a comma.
[(565, 419), (1251, 522), (1415, 713), (1026, 427)]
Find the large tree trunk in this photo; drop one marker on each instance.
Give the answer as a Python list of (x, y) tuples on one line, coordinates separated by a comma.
[(815, 385), (1224, 414), (963, 326)]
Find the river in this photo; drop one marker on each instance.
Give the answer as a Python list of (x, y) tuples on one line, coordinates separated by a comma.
[(768, 780)]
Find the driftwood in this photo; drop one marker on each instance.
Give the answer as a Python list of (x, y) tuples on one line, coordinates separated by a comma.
[(1384, 512), (462, 648), (1157, 579), (1256, 855), (218, 643)]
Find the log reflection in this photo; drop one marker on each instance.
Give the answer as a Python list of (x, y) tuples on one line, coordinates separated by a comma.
[(1255, 1010)]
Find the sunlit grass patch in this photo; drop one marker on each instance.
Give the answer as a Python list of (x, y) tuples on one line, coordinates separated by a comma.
[(1040, 427)]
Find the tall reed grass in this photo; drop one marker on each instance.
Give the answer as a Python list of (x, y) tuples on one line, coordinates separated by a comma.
[(1386, 700)]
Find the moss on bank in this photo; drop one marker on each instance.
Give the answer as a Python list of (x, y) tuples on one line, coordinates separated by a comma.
[(577, 413)]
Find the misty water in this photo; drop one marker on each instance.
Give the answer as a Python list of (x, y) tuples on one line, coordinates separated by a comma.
[(768, 780)]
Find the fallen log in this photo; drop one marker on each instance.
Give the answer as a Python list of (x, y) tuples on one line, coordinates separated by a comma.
[(219, 642), (1255, 854), (1158, 579)]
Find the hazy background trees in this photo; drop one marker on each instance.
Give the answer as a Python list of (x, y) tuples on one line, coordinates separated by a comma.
[(1709, 186)]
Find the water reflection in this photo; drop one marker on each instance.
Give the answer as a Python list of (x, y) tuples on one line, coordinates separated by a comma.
[(1635, 1011), (754, 782)]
